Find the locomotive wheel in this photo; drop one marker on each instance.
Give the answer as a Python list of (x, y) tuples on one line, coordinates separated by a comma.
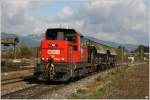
[(101, 67), (113, 65), (42, 76)]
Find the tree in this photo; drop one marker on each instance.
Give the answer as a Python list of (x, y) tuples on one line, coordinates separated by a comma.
[(120, 53), (141, 51), (25, 52)]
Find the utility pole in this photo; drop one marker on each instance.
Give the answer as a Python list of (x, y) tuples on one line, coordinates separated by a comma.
[(14, 51), (37, 55), (141, 49), (122, 53), (16, 40)]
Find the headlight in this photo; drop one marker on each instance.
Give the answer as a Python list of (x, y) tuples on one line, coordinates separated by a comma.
[(52, 57), (43, 58), (62, 58)]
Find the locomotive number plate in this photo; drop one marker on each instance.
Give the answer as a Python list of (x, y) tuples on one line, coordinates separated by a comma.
[(53, 51)]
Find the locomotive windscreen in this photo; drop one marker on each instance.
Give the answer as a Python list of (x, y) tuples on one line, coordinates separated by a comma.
[(61, 34)]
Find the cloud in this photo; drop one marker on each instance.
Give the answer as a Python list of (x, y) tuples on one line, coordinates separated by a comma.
[(16, 17), (65, 12), (124, 21), (116, 20)]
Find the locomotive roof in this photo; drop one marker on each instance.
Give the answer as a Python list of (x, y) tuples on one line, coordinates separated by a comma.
[(65, 30)]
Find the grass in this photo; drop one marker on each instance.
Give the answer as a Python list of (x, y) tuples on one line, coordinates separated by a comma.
[(122, 82), (81, 91), (101, 86), (99, 78)]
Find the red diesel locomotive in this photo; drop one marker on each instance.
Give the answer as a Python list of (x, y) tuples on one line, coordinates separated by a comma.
[(66, 54)]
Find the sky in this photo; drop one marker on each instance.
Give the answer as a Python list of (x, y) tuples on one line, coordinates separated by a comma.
[(121, 21)]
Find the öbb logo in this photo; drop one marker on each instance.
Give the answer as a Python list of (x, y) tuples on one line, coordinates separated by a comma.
[(53, 51)]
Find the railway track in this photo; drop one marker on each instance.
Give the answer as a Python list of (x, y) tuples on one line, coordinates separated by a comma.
[(30, 92), (38, 89), (15, 80), (6, 82), (13, 69)]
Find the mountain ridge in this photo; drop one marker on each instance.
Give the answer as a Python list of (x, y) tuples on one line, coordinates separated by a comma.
[(34, 41)]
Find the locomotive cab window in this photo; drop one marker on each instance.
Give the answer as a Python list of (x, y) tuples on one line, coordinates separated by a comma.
[(54, 34), (51, 36), (70, 37), (60, 36)]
